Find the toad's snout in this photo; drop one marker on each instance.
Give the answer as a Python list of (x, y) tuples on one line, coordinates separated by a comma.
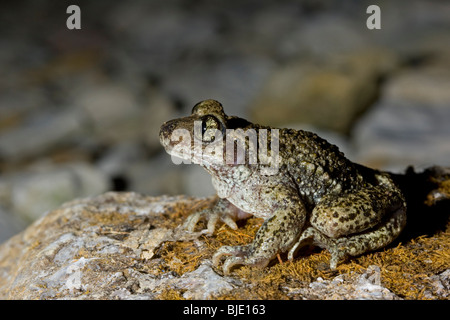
[(166, 130)]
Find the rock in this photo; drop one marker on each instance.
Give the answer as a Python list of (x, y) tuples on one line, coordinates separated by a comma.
[(98, 248), (117, 113), (197, 182), (156, 176), (369, 286), (330, 95), (10, 224), (33, 193), (158, 35), (116, 159), (130, 246), (409, 124), (366, 286), (234, 81), (41, 133), (15, 106), (325, 35), (157, 110), (159, 175), (203, 283), (112, 111), (441, 283)]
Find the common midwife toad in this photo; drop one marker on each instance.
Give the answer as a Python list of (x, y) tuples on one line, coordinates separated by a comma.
[(307, 191)]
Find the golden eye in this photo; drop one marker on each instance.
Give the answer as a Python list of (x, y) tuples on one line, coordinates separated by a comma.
[(210, 125)]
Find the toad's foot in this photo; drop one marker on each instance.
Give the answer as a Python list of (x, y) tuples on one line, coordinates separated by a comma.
[(312, 236), (240, 255), (222, 211)]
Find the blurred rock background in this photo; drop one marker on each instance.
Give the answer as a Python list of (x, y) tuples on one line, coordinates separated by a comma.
[(80, 110)]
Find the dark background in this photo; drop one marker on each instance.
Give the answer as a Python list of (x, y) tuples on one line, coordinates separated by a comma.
[(80, 110)]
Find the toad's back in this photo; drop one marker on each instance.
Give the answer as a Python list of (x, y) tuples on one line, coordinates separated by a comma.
[(319, 167)]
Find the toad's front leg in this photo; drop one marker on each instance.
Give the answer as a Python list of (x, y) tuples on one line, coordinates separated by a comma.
[(277, 234)]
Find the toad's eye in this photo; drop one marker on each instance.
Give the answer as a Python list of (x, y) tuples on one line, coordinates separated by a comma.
[(210, 127)]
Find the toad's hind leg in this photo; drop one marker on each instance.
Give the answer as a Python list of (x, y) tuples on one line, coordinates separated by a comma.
[(356, 222), (354, 245), (372, 240), (357, 210)]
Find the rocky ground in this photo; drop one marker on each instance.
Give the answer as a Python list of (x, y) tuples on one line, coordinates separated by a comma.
[(80, 110), (129, 246)]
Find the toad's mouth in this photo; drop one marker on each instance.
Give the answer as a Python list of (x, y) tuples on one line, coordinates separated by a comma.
[(184, 148)]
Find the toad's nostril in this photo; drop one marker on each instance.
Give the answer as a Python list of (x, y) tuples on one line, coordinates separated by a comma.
[(167, 127)]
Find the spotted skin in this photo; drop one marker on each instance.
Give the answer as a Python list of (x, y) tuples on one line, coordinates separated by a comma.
[(316, 196)]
